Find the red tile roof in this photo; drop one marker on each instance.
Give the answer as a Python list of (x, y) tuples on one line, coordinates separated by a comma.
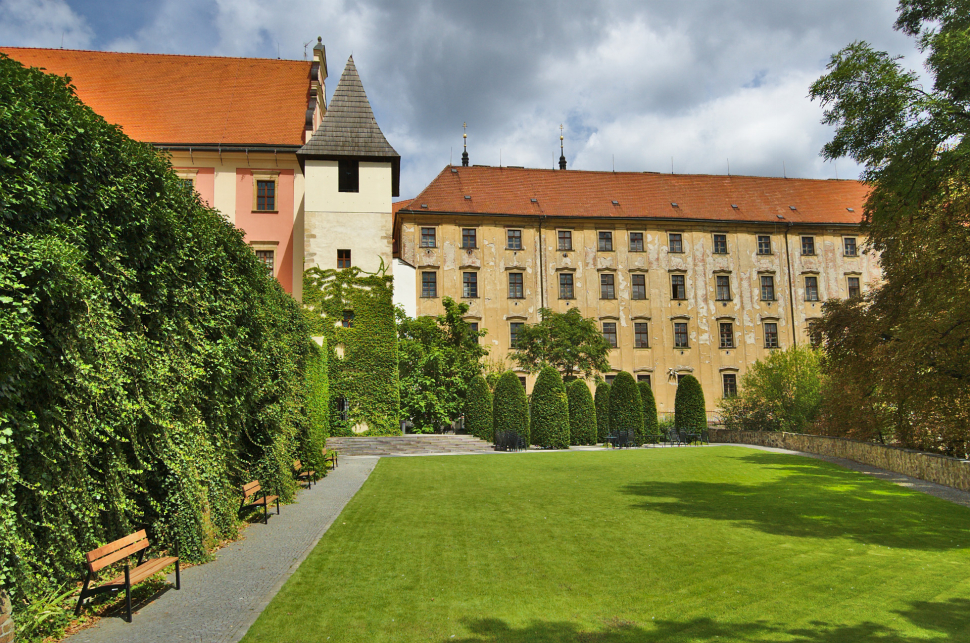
[(162, 98), (575, 193)]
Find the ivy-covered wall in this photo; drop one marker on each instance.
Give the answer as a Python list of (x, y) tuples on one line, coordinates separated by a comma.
[(362, 351)]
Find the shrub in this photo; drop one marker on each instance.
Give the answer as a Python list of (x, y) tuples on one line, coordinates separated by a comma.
[(783, 392), (650, 425), (690, 412), (626, 409), (478, 409), (510, 408), (549, 411), (602, 411), (582, 414), (317, 430)]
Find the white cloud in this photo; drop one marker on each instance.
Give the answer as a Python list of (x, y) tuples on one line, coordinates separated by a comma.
[(42, 23)]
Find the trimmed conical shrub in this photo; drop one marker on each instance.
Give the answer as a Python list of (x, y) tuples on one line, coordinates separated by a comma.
[(602, 411), (478, 409), (549, 416), (690, 413), (510, 408), (626, 410), (650, 425), (582, 414)]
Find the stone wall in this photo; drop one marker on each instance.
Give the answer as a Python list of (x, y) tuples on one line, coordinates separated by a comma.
[(917, 464), (6, 620)]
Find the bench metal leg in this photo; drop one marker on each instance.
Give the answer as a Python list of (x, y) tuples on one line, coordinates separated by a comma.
[(128, 591), (84, 594), (178, 576)]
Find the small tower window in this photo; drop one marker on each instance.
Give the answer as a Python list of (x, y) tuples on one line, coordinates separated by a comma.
[(343, 258), (348, 176)]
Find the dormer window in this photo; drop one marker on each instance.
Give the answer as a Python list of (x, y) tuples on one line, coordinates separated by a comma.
[(348, 176)]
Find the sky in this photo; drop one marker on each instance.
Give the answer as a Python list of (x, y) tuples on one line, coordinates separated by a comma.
[(689, 86)]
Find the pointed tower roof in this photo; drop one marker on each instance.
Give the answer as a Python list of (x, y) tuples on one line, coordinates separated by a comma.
[(349, 130)]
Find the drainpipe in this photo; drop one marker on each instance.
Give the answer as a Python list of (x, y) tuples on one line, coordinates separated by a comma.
[(791, 290)]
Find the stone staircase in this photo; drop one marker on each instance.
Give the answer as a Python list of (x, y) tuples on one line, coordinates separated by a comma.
[(409, 445)]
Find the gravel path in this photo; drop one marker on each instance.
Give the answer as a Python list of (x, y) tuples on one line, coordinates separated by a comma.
[(220, 600)]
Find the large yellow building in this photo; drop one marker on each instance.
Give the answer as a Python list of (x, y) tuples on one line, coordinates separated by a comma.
[(686, 274)]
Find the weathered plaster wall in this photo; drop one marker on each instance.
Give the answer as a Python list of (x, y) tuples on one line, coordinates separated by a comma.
[(917, 464)]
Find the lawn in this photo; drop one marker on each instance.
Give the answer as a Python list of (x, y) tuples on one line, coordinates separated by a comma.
[(652, 545)]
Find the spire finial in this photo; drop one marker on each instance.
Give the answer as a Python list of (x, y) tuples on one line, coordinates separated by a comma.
[(464, 136), (562, 154)]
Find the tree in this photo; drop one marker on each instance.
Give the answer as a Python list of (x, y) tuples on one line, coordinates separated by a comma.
[(478, 409), (568, 341), (650, 425), (549, 411), (690, 411), (913, 145), (510, 408), (439, 356), (582, 414), (626, 409), (602, 411)]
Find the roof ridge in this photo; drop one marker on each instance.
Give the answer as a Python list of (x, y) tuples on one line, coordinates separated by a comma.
[(647, 172), (140, 53)]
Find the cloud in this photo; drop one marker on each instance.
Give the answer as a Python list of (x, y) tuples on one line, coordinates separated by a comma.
[(42, 23)]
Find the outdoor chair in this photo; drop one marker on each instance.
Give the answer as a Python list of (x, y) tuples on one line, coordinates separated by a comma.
[(673, 436)]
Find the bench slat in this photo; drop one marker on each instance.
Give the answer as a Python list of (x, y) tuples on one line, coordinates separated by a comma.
[(251, 487), (114, 557), (103, 550), (143, 571)]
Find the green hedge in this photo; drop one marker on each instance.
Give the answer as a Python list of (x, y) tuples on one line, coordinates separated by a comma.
[(478, 409), (602, 411), (650, 426), (582, 414), (626, 409), (549, 411), (149, 365), (690, 412), (317, 429), (510, 408)]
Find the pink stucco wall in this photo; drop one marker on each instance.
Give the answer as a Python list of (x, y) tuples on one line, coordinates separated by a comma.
[(268, 226), (205, 184)]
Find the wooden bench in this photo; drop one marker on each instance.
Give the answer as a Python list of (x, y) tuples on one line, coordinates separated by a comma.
[(331, 457), (122, 548), (254, 490), (303, 474)]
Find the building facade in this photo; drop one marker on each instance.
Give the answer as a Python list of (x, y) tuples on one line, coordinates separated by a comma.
[(698, 275)]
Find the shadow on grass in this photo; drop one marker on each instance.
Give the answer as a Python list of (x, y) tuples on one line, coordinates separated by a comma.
[(813, 501), (947, 619)]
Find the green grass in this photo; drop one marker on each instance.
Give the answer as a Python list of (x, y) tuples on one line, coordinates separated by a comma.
[(654, 545)]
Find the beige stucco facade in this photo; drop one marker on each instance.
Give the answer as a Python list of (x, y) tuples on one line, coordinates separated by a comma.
[(540, 261)]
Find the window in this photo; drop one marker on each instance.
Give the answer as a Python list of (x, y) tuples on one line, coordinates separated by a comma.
[(565, 239), (729, 384), (854, 289), (850, 247), (188, 184), (764, 244), (515, 286), (681, 376), (468, 238), (644, 377), (639, 284), (522, 380), (641, 339), (343, 258), (469, 285), (348, 176), (720, 244), (265, 195), (473, 327), (722, 288), (675, 242), (566, 286), (343, 406), (429, 284), (606, 287), (606, 242), (678, 288), (348, 321), (727, 335), (609, 332), (514, 239), (771, 335), (680, 335), (267, 257), (808, 245), (609, 379), (636, 242), (428, 238), (514, 329), (811, 288), (767, 288)]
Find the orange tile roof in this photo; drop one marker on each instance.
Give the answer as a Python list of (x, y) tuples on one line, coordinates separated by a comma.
[(162, 98), (397, 205), (576, 193)]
